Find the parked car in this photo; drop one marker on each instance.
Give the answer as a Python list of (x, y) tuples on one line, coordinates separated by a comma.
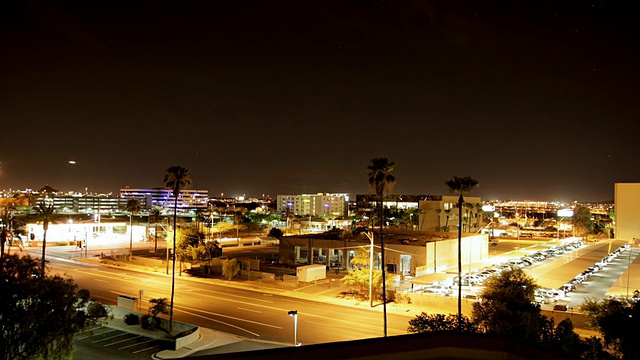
[(443, 290), (561, 307)]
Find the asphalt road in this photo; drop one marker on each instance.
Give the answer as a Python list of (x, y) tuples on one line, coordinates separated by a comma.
[(248, 313)]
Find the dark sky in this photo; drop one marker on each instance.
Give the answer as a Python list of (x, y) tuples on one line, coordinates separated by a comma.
[(537, 100)]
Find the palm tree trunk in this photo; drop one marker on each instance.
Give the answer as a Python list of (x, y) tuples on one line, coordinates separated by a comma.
[(460, 200), (131, 237), (155, 246), (384, 277), (44, 245), (173, 274)]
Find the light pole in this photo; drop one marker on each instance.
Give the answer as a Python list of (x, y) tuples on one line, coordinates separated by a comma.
[(294, 313), (369, 234)]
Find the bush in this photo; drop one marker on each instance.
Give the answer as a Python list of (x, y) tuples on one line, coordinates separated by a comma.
[(148, 322), (131, 319), (97, 310), (83, 295), (230, 268)]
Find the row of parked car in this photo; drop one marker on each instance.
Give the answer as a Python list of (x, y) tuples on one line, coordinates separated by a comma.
[(546, 296), (477, 278), (599, 265)]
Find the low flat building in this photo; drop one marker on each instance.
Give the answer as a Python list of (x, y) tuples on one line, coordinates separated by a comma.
[(408, 253)]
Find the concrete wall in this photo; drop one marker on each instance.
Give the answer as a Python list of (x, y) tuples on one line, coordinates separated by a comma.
[(627, 210)]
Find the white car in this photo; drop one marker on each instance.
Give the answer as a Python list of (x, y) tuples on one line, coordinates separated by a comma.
[(438, 290)]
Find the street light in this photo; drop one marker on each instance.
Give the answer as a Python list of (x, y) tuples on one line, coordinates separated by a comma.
[(294, 313)]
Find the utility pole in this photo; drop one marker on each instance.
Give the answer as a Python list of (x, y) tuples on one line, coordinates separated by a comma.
[(370, 236)]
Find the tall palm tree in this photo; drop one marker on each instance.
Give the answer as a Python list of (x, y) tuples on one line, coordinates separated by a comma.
[(45, 212), (133, 206), (461, 186), (156, 214), (175, 178), (381, 180)]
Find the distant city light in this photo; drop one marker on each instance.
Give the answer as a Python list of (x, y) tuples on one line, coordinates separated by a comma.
[(488, 208), (565, 212), (72, 162)]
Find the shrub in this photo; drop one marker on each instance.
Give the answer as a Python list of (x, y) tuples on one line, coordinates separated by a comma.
[(83, 295), (97, 310), (131, 319), (147, 322)]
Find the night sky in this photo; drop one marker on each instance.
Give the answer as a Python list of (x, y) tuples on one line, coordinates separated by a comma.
[(538, 100)]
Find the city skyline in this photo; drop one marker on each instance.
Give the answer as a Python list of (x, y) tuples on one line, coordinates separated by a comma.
[(535, 102)]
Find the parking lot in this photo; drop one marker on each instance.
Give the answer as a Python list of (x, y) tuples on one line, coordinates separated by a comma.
[(106, 343)]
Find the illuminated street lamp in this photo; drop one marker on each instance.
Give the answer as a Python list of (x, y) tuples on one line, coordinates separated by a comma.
[(294, 313), (562, 213)]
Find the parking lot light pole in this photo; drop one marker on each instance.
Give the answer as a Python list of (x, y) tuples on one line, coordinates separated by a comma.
[(294, 313)]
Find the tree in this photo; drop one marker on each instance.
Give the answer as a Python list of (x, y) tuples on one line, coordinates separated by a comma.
[(151, 321), (581, 221), (618, 320), (175, 178), (44, 213), (275, 232), (156, 215), (230, 268), (381, 180), (133, 206), (461, 186), (40, 315), (507, 307), (223, 227), (359, 278), (424, 323)]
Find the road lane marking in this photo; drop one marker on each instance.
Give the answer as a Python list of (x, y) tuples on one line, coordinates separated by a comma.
[(221, 322), (239, 296), (345, 321), (231, 317), (317, 323), (255, 311), (123, 294)]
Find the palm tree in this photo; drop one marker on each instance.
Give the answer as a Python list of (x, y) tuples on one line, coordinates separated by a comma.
[(446, 223), (133, 206), (469, 207), (156, 214), (381, 180), (45, 212), (461, 186), (175, 178)]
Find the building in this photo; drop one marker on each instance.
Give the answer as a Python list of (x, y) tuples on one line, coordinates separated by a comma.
[(368, 203), (321, 204), (434, 212), (627, 198), (440, 213), (83, 203), (188, 200), (408, 253)]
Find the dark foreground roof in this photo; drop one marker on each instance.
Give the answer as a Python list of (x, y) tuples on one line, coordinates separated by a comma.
[(432, 346)]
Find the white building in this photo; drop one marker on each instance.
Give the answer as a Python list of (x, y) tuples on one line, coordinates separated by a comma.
[(329, 205)]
